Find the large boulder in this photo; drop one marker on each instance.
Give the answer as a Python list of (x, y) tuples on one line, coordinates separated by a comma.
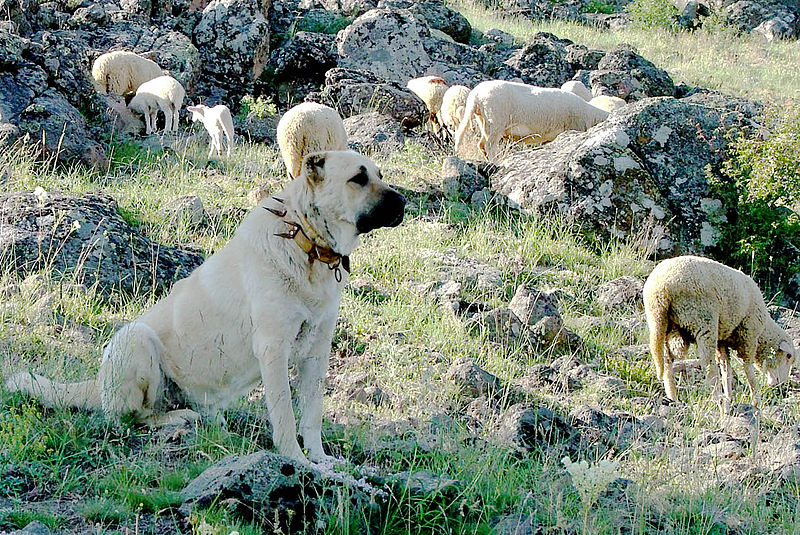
[(233, 39), (86, 238), (543, 61), (625, 74), (299, 65), (373, 132), (355, 92), (646, 166), (773, 19), (436, 15), (387, 43)]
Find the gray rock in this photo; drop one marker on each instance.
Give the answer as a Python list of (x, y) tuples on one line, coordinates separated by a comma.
[(277, 491), (299, 65), (499, 325), (349, 8), (620, 293), (535, 429), (499, 36), (625, 74), (776, 29), (233, 39), (88, 17), (436, 15), (354, 92), (374, 133), (86, 238), (34, 528), (691, 14), (472, 379), (776, 19), (387, 43), (187, 210), (538, 312), (460, 179), (425, 484), (639, 169), (542, 61)]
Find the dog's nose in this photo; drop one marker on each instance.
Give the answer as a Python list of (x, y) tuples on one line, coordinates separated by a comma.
[(398, 203)]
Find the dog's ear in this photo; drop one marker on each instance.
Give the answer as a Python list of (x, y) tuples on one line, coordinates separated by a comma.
[(315, 167)]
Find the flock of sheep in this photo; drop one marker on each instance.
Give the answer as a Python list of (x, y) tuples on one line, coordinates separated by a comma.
[(688, 299)]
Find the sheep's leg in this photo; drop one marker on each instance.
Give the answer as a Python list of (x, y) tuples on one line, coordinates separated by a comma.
[(147, 123), (707, 341), (492, 145), (752, 382), (167, 119), (676, 348), (176, 118), (229, 138), (727, 378), (210, 145)]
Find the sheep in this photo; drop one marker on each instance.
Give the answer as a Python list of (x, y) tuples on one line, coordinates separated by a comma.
[(216, 121), (690, 299), (452, 109), (576, 87), (122, 72), (306, 128), (607, 103), (431, 90), (515, 110), (164, 93)]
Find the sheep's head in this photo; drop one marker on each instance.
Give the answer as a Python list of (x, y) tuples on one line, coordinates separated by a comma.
[(775, 357), (198, 112)]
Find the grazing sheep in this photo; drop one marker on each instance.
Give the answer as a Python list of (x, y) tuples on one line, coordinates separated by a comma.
[(690, 299), (431, 90), (607, 103), (306, 128), (520, 111), (216, 120), (164, 93), (453, 106), (576, 87), (122, 72)]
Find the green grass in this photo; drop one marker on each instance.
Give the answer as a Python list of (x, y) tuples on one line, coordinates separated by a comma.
[(718, 58)]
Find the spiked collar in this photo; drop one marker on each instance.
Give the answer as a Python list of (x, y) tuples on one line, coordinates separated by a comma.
[(314, 251)]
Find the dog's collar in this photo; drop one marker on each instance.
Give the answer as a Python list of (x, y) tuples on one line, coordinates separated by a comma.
[(314, 251)]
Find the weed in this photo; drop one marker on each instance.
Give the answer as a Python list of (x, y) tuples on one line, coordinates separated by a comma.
[(649, 14)]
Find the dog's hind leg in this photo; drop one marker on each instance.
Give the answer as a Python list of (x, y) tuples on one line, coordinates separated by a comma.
[(130, 377)]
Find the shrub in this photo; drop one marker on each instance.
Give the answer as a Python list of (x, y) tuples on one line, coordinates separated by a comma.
[(648, 14), (259, 107), (598, 6), (763, 184)]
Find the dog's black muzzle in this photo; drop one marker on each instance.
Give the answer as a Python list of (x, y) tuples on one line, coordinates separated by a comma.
[(387, 212)]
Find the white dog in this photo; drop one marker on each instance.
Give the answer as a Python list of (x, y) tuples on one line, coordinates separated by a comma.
[(216, 120), (268, 299)]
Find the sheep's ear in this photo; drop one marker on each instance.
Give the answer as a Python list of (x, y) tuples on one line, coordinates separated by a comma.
[(786, 347), (195, 109), (314, 165)]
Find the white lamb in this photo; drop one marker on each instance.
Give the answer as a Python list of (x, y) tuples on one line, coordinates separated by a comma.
[(217, 120), (453, 102), (690, 299), (306, 128), (431, 90), (607, 103), (122, 72), (164, 93), (576, 87), (523, 112)]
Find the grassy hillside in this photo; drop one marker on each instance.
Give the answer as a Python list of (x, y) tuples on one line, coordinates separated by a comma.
[(715, 57), (80, 474)]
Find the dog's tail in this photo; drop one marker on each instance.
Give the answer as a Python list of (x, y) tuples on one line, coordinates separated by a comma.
[(83, 395)]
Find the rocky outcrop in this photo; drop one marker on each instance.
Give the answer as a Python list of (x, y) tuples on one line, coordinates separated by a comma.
[(233, 39), (354, 92), (372, 132), (86, 239), (624, 73), (645, 167)]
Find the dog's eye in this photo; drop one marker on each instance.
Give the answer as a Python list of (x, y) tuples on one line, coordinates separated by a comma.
[(360, 179)]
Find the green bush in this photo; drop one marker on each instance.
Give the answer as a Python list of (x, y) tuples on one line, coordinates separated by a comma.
[(599, 6), (763, 183), (648, 14), (260, 107)]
